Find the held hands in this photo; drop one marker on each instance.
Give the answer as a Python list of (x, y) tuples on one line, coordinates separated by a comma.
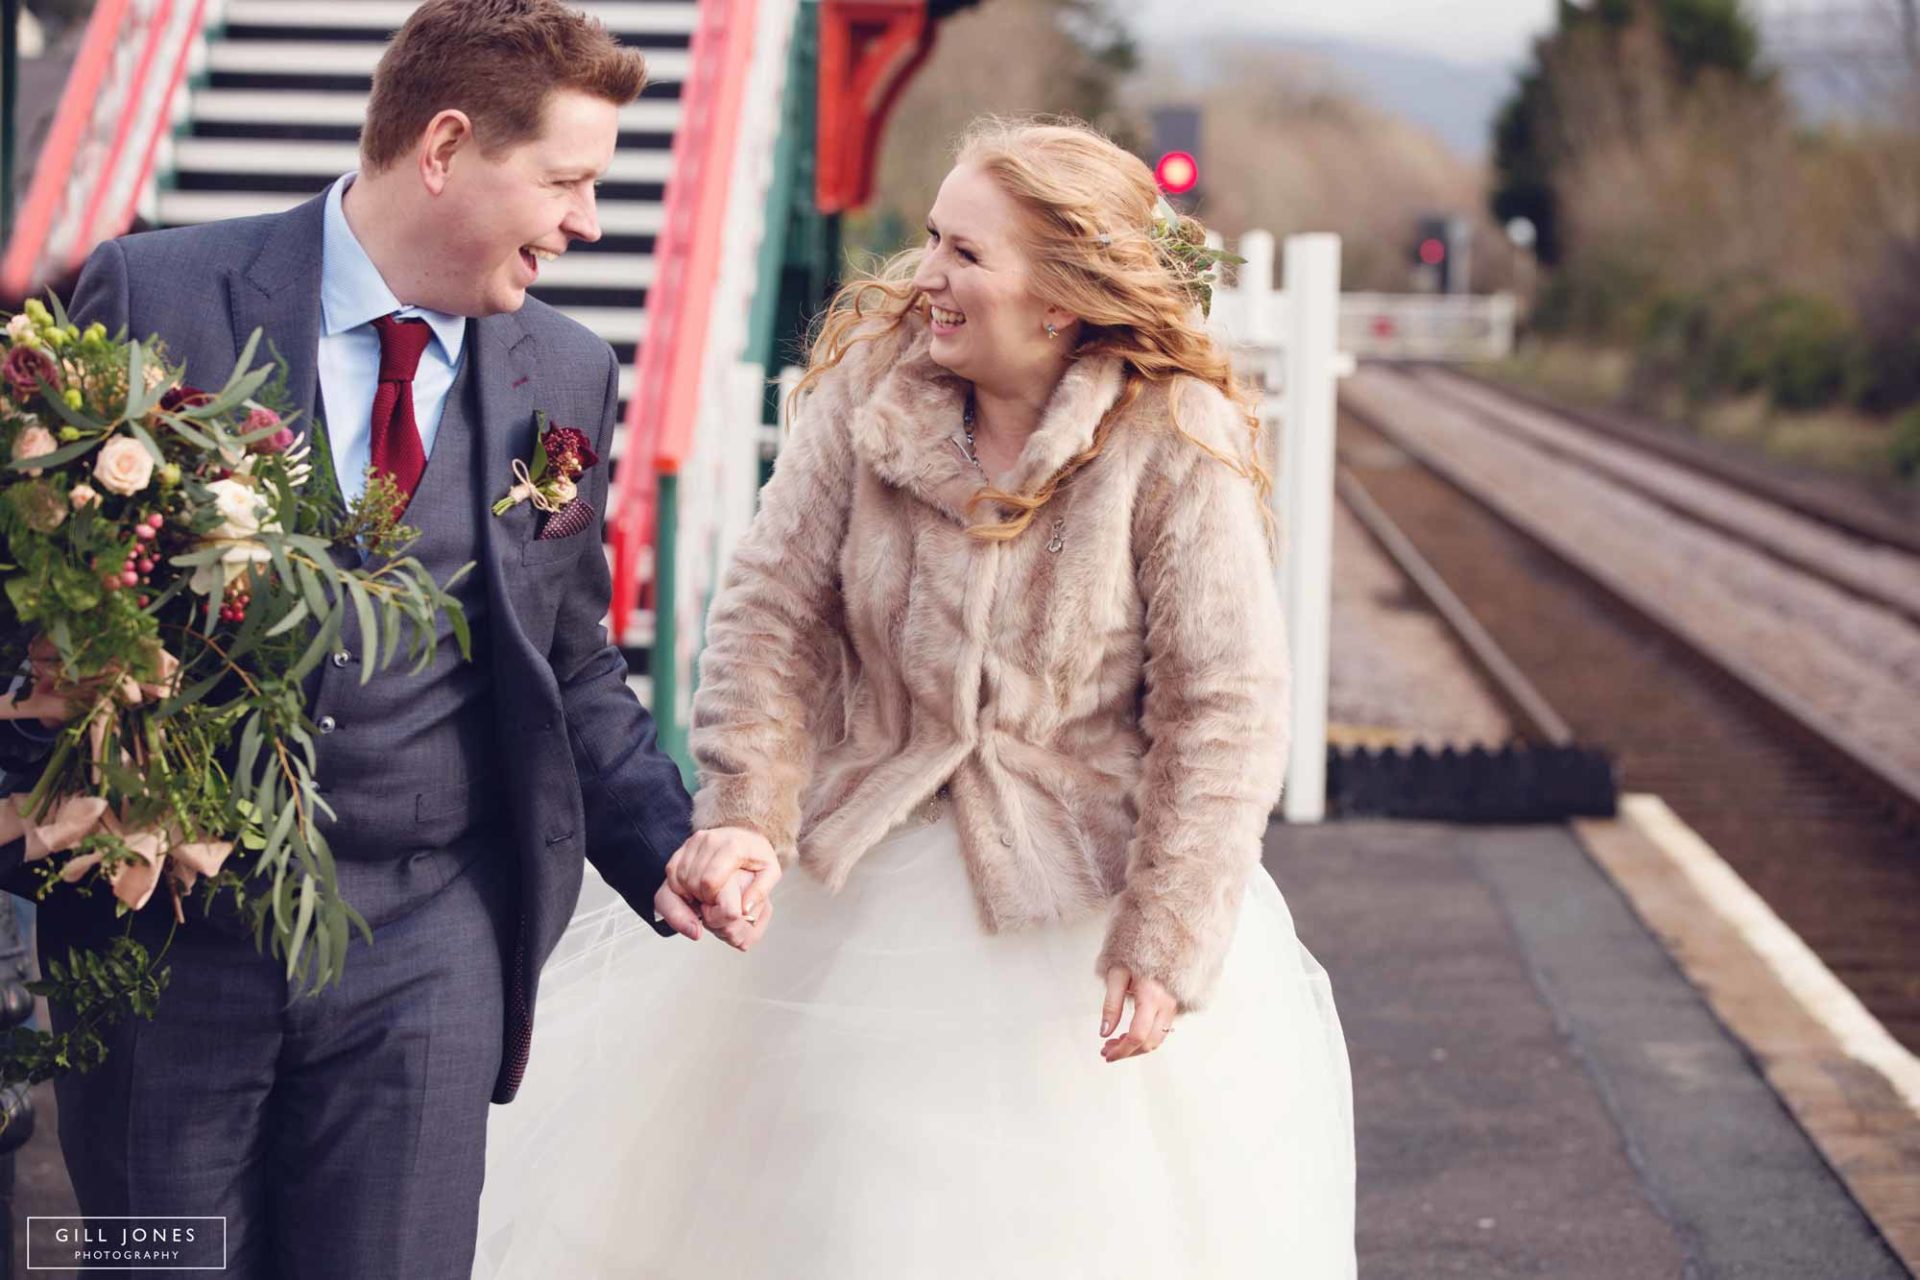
[(685, 918), (1154, 1009), (727, 874)]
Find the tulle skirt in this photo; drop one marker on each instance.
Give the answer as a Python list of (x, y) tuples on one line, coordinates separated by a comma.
[(882, 1090)]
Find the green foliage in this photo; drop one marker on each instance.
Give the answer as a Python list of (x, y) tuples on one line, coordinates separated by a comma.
[(1802, 352), (98, 989), (1904, 444)]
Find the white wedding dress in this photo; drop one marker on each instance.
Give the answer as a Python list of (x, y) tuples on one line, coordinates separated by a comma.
[(881, 1090)]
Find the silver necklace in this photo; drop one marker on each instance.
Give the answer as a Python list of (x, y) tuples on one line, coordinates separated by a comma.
[(1055, 543), (966, 425)]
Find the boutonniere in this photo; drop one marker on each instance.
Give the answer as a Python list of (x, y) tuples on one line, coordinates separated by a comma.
[(550, 481)]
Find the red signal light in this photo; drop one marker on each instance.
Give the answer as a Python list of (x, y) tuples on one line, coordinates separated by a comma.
[(1433, 251), (1177, 173)]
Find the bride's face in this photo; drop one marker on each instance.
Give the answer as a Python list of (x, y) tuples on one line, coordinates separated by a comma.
[(987, 326), (500, 217)]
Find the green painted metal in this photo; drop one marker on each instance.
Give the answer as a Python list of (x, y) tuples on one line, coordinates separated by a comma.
[(662, 663), (9, 109), (799, 259), (792, 157)]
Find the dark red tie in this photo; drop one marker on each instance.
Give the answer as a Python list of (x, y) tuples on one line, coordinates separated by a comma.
[(396, 436)]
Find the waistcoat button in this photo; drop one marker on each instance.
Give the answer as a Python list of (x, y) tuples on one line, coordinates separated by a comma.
[(325, 724), (341, 657)]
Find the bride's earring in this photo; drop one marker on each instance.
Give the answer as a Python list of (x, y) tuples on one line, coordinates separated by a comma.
[(1052, 332)]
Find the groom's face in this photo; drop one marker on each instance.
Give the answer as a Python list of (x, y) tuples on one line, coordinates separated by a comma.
[(506, 215)]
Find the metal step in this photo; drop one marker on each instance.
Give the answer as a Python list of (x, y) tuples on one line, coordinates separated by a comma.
[(296, 60), (348, 110), (325, 161), (183, 208), (647, 17)]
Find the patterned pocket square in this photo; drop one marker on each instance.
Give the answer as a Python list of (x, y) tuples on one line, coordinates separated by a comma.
[(567, 521)]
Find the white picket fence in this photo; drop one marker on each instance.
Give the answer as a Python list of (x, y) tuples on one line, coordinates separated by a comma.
[(1288, 341)]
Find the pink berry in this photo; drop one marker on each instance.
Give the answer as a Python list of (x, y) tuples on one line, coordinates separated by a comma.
[(155, 520), (145, 565), (145, 601), (129, 579), (144, 532), (111, 582)]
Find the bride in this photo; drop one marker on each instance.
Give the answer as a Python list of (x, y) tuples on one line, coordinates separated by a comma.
[(999, 672)]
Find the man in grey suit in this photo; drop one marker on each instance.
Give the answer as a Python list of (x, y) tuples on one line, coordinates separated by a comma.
[(343, 1135)]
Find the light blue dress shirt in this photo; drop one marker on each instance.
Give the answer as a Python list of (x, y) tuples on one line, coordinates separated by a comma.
[(352, 295)]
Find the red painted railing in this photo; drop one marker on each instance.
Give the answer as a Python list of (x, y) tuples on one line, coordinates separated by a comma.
[(100, 152), (664, 410)]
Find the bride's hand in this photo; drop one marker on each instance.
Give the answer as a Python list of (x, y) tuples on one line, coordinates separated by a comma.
[(1154, 1009), (704, 869), (741, 934)]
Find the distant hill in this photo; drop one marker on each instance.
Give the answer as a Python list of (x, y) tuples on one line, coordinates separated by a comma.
[(1457, 101)]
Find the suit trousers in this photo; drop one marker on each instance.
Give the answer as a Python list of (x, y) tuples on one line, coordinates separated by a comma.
[(342, 1134)]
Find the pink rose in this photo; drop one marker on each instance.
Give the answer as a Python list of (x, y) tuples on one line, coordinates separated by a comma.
[(124, 465), (261, 419), (34, 442), (26, 368)]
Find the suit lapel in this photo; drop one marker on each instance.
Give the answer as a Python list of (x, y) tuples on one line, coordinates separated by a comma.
[(502, 373), (279, 292)]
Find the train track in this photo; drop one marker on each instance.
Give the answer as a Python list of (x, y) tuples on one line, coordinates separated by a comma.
[(1826, 833), (1856, 551), (1871, 513)]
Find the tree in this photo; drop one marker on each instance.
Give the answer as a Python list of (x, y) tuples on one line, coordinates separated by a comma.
[(1535, 135)]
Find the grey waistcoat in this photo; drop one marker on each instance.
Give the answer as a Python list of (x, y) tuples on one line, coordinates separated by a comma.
[(411, 763)]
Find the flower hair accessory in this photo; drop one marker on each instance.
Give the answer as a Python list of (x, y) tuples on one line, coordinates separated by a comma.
[(1181, 244)]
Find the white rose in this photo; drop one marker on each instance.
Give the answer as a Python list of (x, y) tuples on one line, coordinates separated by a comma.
[(83, 496), (22, 323), (33, 442), (240, 506), (124, 465), (212, 579), (563, 489)]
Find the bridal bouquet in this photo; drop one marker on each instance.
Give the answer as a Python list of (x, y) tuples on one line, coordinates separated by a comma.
[(168, 579)]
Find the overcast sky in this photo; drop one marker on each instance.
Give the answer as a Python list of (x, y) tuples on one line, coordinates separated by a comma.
[(1473, 30)]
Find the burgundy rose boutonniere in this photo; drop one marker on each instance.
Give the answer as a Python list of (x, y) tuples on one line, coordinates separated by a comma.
[(550, 482)]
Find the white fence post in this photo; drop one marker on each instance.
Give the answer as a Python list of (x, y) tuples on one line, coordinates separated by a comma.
[(1305, 497)]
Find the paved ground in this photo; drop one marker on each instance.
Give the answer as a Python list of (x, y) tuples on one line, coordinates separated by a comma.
[(1539, 1091)]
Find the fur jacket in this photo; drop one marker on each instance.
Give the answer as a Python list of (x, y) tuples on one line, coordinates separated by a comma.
[(1105, 696)]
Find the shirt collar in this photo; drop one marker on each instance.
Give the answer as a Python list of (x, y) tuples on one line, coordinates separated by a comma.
[(352, 291)]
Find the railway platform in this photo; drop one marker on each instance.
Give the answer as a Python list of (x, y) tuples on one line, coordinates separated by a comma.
[(1540, 1089)]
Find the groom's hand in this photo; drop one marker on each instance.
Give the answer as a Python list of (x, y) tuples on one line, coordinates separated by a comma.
[(680, 916), (742, 933), (704, 871)]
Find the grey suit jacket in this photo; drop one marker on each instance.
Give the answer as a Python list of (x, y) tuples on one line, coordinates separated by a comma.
[(588, 779)]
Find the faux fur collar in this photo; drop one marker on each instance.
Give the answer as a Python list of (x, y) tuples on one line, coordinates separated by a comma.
[(909, 427)]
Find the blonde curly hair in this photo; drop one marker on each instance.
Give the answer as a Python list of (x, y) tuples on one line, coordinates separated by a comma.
[(1093, 249)]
